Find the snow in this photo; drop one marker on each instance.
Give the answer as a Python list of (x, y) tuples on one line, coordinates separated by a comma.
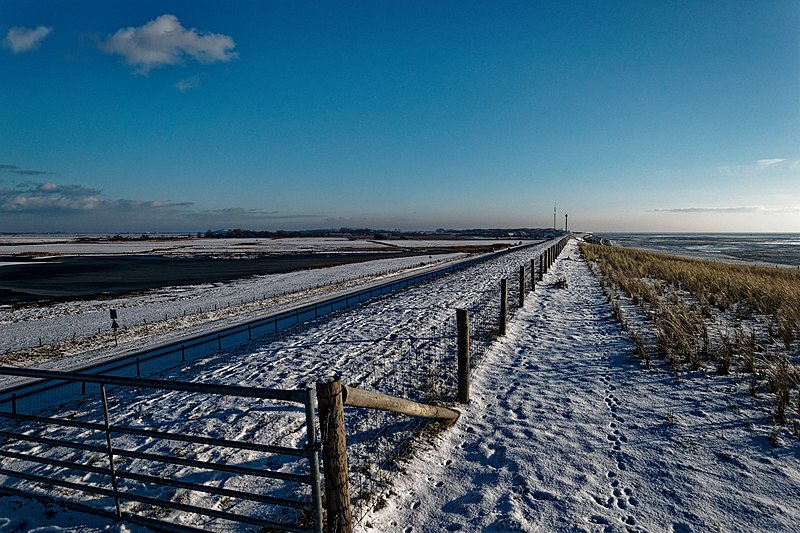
[(161, 314), (565, 431), (19, 515), (233, 247)]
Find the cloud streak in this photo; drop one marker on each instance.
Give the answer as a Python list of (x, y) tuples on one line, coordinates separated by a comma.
[(20, 39), (736, 209), (164, 41), (24, 172), (761, 166), (187, 84), (14, 169), (42, 206), (49, 198)]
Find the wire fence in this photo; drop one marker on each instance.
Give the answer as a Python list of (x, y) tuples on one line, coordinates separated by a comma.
[(424, 370)]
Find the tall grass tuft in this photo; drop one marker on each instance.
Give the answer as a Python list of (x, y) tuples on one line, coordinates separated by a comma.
[(682, 297)]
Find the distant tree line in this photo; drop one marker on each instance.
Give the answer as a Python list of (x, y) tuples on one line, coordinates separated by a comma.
[(367, 233)]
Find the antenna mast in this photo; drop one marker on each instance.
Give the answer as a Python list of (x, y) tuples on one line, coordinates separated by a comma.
[(554, 215)]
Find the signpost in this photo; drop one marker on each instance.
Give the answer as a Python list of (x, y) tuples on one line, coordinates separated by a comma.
[(114, 324)]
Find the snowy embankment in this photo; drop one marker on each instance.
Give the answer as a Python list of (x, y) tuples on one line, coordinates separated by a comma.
[(566, 432)]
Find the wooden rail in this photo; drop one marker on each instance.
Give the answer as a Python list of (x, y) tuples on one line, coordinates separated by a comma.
[(354, 397)]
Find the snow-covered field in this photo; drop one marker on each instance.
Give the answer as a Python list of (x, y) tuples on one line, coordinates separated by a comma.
[(565, 430), (84, 327), (56, 245)]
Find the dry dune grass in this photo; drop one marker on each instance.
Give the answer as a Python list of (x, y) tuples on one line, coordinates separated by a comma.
[(702, 313)]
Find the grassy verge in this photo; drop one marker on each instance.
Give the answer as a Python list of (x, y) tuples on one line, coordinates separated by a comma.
[(702, 315)]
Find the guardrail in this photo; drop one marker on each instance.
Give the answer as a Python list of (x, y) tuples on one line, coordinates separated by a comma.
[(96, 465)]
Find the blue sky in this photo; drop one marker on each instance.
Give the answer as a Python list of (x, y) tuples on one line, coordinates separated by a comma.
[(187, 116)]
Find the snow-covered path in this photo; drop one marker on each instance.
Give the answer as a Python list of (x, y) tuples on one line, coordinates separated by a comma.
[(565, 432)]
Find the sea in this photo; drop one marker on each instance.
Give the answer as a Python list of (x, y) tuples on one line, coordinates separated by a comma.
[(780, 249)]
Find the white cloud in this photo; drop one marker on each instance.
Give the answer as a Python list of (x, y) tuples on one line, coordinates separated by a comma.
[(737, 209), (19, 39), (768, 162), (761, 166), (186, 84), (164, 41)]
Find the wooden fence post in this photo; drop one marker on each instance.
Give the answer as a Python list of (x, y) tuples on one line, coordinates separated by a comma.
[(462, 322), (503, 305), (541, 267), (334, 457), (533, 274), (522, 285)]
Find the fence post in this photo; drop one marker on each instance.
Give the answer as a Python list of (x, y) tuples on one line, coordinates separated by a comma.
[(462, 322), (110, 449), (503, 305), (533, 274), (334, 456), (522, 285), (313, 450), (541, 267)]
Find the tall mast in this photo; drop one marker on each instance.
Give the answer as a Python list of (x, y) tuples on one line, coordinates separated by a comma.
[(554, 215)]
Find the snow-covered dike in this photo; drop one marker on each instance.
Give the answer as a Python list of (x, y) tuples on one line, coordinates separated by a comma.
[(565, 432)]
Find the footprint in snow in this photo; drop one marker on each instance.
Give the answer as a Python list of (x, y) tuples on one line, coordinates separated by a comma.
[(608, 503)]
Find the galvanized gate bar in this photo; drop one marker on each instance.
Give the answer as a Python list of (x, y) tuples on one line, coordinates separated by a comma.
[(233, 469), (55, 475), (210, 489), (296, 396)]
